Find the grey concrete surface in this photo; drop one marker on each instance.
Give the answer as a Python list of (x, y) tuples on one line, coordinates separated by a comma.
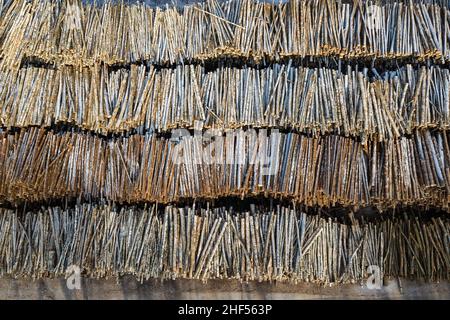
[(129, 288)]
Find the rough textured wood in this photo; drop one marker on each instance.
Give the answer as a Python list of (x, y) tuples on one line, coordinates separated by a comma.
[(128, 288)]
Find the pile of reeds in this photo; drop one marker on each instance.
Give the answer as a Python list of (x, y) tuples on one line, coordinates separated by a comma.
[(353, 102), (117, 103), (36, 165), (200, 243), (69, 32)]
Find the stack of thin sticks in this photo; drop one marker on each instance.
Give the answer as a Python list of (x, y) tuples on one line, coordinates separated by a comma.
[(70, 32), (316, 104), (325, 171), (185, 242), (310, 100)]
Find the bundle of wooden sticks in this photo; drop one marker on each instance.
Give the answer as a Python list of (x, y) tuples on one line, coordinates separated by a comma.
[(36, 165), (316, 101), (131, 137), (260, 244), (70, 32)]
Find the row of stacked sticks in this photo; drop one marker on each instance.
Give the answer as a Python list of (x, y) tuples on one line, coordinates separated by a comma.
[(261, 243), (66, 32), (122, 128), (36, 165), (355, 102)]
